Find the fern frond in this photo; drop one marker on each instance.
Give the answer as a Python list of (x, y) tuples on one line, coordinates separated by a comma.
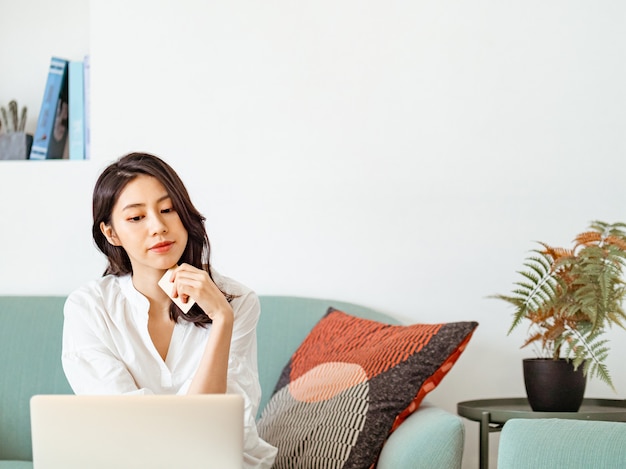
[(556, 253), (618, 241), (524, 288), (530, 276), (584, 345), (609, 229), (539, 261), (587, 238), (600, 371)]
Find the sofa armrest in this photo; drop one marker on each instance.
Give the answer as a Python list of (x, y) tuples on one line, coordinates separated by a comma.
[(430, 437), (571, 444)]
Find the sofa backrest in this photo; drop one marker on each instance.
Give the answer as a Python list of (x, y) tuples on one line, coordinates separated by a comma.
[(30, 363)]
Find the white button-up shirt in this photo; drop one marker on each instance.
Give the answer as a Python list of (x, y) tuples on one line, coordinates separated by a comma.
[(107, 350)]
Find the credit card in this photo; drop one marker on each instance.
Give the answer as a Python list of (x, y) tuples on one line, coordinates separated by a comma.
[(168, 287)]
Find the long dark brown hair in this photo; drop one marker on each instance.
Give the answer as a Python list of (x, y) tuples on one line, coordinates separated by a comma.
[(107, 190)]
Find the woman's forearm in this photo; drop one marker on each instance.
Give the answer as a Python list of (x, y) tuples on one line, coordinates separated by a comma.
[(211, 376)]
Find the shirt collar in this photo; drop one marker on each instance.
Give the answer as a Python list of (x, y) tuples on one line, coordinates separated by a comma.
[(135, 298)]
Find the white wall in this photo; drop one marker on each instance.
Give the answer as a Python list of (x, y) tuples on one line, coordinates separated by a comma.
[(402, 155)]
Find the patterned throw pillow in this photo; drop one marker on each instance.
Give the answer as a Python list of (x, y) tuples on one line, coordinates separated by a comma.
[(350, 384)]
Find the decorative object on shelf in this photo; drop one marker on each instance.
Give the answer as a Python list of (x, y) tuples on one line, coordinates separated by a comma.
[(15, 143), (572, 296)]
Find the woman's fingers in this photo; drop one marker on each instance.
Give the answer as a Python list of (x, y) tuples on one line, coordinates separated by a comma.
[(191, 282)]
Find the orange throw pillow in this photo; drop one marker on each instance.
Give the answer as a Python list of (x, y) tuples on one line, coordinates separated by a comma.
[(351, 382)]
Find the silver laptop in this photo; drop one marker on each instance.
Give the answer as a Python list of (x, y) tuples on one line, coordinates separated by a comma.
[(137, 432)]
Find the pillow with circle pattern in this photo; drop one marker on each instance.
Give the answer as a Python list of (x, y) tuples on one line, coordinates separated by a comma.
[(350, 383)]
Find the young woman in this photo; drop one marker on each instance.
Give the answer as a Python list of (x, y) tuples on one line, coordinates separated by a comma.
[(123, 333)]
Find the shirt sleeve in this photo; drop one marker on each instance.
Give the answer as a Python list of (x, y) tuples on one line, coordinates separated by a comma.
[(243, 378), (88, 362)]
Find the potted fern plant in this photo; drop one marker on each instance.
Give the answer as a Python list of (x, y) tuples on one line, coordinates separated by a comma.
[(570, 297)]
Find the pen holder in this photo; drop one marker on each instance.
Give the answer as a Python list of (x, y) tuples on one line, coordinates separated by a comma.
[(15, 146)]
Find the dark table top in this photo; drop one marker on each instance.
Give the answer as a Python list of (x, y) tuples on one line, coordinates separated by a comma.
[(501, 410)]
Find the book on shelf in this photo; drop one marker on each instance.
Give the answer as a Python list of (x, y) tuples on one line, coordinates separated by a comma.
[(87, 107), (76, 118), (52, 124)]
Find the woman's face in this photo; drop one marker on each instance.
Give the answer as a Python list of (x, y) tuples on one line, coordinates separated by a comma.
[(146, 225)]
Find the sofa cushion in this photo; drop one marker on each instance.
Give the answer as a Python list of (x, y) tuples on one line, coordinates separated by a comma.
[(16, 465), (351, 382)]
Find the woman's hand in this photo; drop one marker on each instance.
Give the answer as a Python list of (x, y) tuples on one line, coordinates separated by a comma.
[(191, 282)]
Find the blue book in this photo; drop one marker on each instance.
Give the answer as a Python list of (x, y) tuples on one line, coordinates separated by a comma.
[(87, 107), (51, 133), (76, 93)]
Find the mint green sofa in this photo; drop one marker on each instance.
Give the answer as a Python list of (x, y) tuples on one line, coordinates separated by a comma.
[(562, 444), (30, 349)]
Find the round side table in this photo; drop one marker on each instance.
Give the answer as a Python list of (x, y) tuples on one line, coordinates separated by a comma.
[(493, 414)]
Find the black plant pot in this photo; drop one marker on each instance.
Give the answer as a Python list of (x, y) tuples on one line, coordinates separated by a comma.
[(553, 385)]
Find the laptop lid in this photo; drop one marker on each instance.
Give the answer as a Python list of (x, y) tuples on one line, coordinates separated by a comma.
[(134, 431)]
